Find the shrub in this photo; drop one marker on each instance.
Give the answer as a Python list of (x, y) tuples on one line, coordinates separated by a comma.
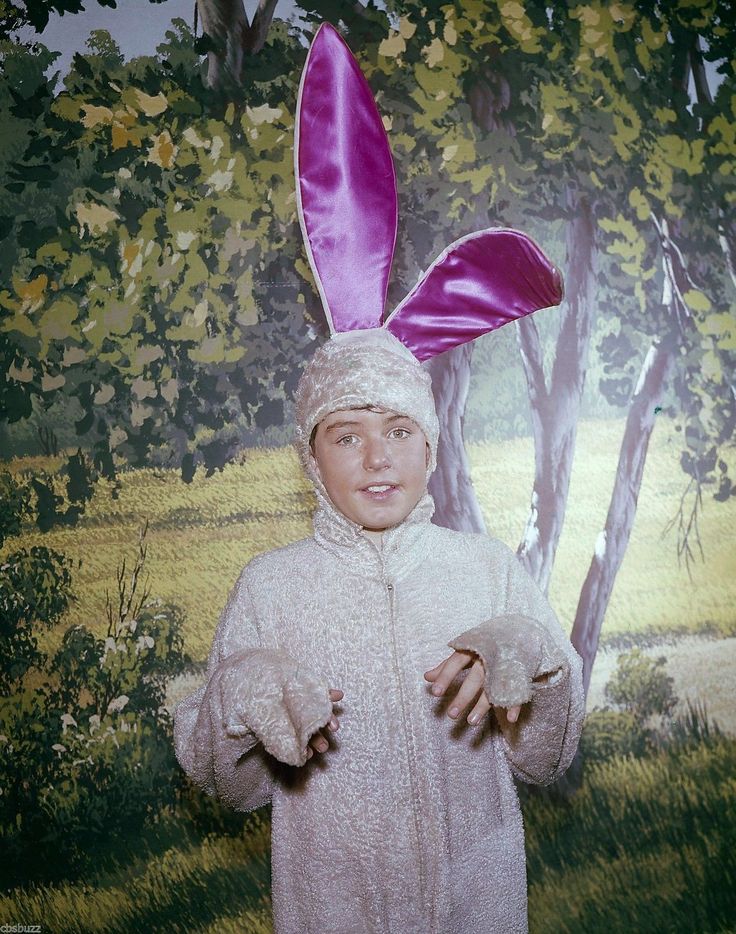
[(86, 743), (640, 686)]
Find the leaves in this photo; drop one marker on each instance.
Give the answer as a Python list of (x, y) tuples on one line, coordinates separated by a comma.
[(162, 282)]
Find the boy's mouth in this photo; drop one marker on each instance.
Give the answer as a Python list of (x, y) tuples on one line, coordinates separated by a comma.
[(379, 490)]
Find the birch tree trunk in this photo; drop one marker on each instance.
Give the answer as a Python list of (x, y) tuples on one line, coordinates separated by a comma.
[(555, 410), (614, 539), (456, 506)]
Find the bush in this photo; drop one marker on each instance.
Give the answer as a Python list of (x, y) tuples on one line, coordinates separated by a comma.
[(640, 686), (641, 691), (86, 743)]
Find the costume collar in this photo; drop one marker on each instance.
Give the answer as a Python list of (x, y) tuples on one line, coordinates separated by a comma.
[(403, 546)]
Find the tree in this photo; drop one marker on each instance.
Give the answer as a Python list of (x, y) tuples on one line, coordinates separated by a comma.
[(490, 120), (530, 73), (232, 38), (678, 198), (174, 317)]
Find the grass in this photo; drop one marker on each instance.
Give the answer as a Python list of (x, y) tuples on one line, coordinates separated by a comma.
[(652, 593), (645, 845), (202, 534), (218, 883)]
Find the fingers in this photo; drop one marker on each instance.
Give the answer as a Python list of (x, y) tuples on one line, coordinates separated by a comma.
[(445, 672), (335, 695), (319, 742), (512, 714), (471, 691), (433, 672)]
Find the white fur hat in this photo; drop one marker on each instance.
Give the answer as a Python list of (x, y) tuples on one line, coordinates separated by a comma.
[(361, 368)]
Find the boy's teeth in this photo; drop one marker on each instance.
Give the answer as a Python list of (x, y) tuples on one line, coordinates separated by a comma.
[(379, 489)]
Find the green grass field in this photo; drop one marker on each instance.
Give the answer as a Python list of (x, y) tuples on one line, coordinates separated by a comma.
[(202, 534), (645, 845)]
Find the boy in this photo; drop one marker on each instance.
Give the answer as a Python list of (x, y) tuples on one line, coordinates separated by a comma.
[(408, 819)]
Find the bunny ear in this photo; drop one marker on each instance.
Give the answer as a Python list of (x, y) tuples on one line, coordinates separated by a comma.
[(346, 186), (478, 284)]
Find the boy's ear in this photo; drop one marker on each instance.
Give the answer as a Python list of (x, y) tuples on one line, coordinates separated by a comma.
[(315, 464)]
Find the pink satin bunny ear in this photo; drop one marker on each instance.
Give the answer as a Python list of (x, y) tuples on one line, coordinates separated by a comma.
[(479, 283), (346, 186)]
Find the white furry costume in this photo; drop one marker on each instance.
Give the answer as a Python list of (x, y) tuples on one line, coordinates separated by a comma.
[(410, 822)]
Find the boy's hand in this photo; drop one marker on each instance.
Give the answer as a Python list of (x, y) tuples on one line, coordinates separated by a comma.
[(446, 671), (319, 741)]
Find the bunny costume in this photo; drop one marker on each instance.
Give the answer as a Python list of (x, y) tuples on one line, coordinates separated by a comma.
[(410, 822)]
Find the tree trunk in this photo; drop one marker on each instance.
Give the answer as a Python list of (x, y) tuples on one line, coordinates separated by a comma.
[(555, 411), (225, 22), (700, 77), (456, 506), (614, 539)]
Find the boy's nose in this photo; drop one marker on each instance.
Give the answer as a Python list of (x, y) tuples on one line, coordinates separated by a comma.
[(376, 455)]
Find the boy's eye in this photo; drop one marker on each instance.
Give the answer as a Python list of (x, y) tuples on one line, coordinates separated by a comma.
[(347, 441)]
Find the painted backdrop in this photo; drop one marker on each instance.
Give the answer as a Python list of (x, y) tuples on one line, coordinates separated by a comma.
[(156, 309)]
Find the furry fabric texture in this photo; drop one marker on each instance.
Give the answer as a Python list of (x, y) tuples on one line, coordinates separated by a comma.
[(409, 822), (365, 367)]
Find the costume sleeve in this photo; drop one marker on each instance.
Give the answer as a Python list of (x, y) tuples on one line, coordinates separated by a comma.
[(257, 706), (528, 660)]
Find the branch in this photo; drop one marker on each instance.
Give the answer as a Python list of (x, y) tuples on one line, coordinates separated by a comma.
[(699, 74), (726, 238), (225, 22), (219, 17), (677, 279), (256, 33), (687, 527), (530, 348)]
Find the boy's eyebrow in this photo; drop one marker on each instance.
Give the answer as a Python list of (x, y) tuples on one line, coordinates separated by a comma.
[(347, 424)]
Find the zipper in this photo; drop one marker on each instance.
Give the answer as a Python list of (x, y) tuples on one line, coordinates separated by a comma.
[(412, 786)]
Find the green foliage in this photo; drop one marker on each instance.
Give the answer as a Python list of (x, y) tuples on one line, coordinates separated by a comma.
[(609, 733), (14, 505), (641, 687), (35, 588), (153, 263), (86, 746), (643, 694), (145, 291)]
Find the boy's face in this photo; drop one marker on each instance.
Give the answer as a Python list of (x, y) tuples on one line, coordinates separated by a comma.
[(357, 449)]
